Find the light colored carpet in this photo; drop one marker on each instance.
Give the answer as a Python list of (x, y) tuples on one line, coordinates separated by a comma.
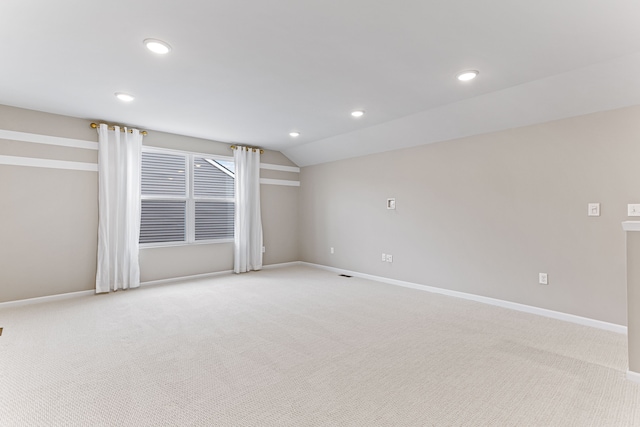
[(303, 347)]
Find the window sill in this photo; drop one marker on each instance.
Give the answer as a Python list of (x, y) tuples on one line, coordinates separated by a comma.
[(175, 244)]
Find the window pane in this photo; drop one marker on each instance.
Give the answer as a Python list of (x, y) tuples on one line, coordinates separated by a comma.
[(214, 220), (163, 174), (228, 164), (211, 179), (163, 221)]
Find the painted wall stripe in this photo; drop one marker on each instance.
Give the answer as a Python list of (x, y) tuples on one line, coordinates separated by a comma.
[(93, 167), (47, 163), (46, 139), (285, 182), (90, 145), (281, 168)]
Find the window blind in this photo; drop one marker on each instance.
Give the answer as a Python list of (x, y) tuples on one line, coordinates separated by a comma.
[(186, 198), (163, 174), (163, 221), (214, 220), (210, 179)]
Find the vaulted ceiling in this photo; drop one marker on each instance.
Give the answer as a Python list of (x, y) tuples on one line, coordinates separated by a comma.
[(250, 72)]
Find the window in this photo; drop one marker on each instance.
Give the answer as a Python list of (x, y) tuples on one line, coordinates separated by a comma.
[(186, 198)]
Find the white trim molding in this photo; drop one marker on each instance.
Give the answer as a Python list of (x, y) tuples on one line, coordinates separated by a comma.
[(620, 329), (281, 265), (631, 225), (93, 167), (47, 139), (633, 376), (70, 295), (281, 168), (286, 182), (47, 163), (153, 148), (48, 298), (184, 278), (36, 138)]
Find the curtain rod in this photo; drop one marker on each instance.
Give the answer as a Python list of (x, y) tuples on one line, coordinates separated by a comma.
[(233, 147), (95, 126)]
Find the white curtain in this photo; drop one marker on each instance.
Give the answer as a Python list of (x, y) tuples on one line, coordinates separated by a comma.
[(248, 223), (119, 161)]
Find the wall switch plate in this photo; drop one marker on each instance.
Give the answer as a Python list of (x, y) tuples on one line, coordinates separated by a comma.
[(543, 279), (389, 258), (594, 209), (391, 203), (633, 210), (331, 250), (384, 257), (264, 249)]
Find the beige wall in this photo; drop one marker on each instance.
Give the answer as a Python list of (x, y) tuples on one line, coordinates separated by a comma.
[(486, 214), (49, 217), (482, 215), (280, 223), (48, 231)]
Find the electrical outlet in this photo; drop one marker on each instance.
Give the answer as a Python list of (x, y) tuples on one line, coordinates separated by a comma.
[(384, 257), (389, 258), (594, 209), (332, 251), (543, 279), (391, 203)]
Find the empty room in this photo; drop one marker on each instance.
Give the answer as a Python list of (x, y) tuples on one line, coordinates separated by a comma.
[(286, 213)]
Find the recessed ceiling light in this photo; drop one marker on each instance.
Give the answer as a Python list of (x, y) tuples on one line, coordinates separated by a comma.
[(465, 76), (357, 113), (157, 46), (294, 134), (124, 97)]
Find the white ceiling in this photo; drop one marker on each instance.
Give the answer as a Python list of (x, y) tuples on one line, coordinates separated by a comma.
[(250, 72)]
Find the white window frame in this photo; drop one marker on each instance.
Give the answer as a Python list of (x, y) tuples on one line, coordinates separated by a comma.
[(189, 198)]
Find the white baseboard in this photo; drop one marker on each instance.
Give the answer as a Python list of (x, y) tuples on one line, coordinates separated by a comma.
[(633, 376), (184, 278), (48, 298), (217, 273), (486, 300), (281, 265), (70, 295)]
